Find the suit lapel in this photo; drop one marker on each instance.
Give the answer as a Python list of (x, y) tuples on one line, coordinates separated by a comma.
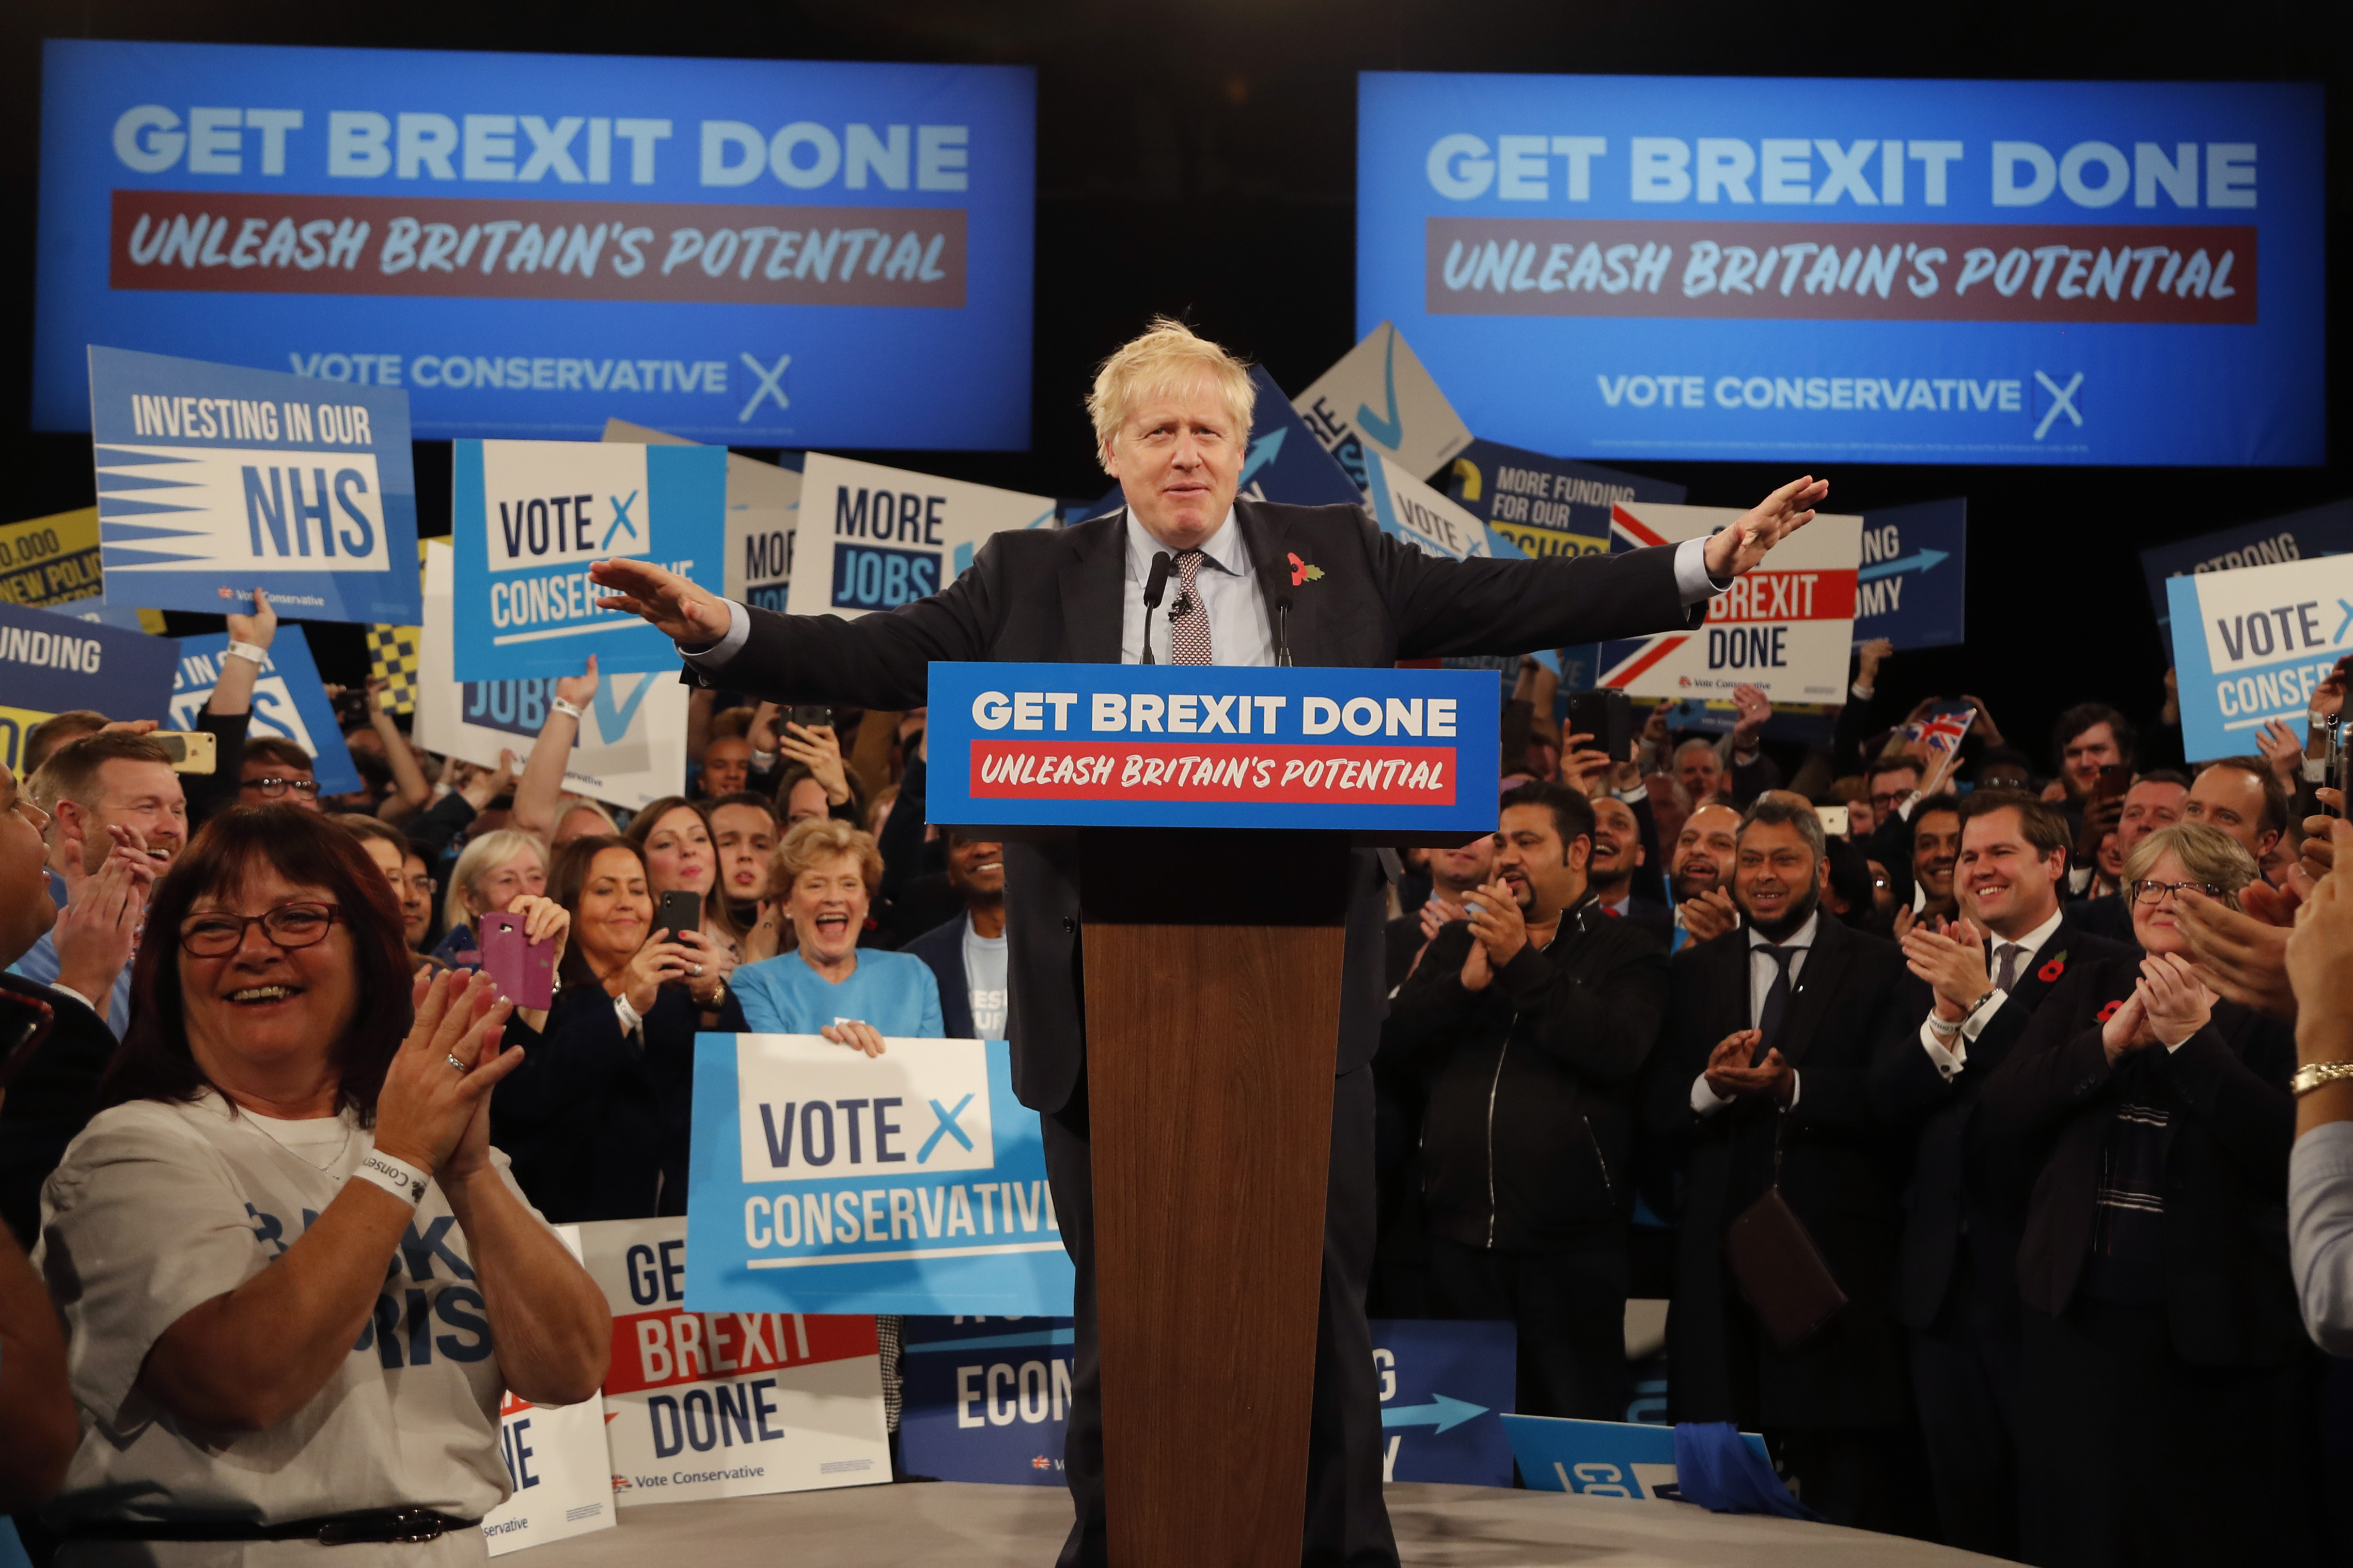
[(1818, 982), (1268, 540), (2030, 985), (1093, 579), (1732, 984)]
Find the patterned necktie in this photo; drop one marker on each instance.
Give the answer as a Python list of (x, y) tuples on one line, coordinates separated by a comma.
[(1189, 633), (2006, 973), (1777, 1002)]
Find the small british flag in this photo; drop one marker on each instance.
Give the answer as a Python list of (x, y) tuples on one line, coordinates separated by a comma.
[(1943, 731)]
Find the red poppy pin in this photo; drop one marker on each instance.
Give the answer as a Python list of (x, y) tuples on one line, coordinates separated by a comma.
[(1300, 572), (2052, 970), (2109, 1012)]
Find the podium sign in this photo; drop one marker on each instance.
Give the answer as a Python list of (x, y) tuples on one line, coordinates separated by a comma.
[(1393, 754)]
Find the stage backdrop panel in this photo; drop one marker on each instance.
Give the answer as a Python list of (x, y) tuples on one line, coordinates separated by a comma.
[(756, 252), (1890, 271)]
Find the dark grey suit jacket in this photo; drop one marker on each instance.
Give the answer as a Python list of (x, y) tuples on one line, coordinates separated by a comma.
[(1057, 596)]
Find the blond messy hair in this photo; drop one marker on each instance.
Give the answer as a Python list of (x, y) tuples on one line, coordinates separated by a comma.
[(815, 840), (1168, 358)]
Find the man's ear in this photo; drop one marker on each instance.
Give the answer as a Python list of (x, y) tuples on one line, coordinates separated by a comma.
[(1575, 860), (67, 814)]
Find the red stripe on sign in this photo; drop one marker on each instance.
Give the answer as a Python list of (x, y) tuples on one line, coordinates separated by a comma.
[(656, 1350), (1634, 528), (1625, 673), (1175, 771), (1823, 595)]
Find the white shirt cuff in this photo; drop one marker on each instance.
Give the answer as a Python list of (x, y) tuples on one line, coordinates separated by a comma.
[(739, 632), (1703, 1097), (1861, 692), (1949, 1059), (1692, 585), (69, 991)]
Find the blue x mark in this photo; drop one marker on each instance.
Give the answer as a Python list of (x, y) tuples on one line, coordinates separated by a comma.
[(620, 518), (947, 1127)]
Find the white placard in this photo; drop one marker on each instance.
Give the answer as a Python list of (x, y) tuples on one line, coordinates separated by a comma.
[(879, 538), (1786, 628), (558, 1464), (631, 749), (919, 1109), (716, 1405), (1379, 400)]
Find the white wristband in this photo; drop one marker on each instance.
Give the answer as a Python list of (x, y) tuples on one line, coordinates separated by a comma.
[(252, 653), (398, 1177), (574, 708)]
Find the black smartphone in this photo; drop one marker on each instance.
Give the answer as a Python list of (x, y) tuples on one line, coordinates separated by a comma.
[(809, 715), (25, 1022), (2113, 781), (1608, 718), (678, 912)]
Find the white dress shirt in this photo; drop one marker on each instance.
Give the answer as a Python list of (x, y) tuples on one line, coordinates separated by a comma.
[(1951, 1056), (2320, 1233), (1239, 616), (1761, 972)]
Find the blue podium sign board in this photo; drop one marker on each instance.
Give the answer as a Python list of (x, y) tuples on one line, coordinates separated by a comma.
[(1388, 752)]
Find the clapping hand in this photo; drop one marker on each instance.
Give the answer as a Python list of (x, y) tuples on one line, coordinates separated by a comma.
[(432, 1111), (2178, 1006), (1951, 959), (1729, 1074), (1709, 915), (2236, 952)]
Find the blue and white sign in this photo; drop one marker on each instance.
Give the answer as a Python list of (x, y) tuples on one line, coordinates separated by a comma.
[(214, 480), (1633, 1461), (757, 252), (52, 664), (1443, 1387), (1156, 745), (528, 518), (2299, 536), (289, 701), (1913, 585), (826, 1181), (2266, 636), (1892, 271), (985, 1399)]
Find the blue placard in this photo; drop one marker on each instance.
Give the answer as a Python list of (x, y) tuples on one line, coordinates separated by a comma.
[(757, 252), (985, 1399), (1894, 271), (2249, 646), (1111, 745), (1913, 587), (214, 480), (1443, 1387), (1633, 1460), (50, 664), (940, 1204), (527, 519), (2299, 536), (289, 701)]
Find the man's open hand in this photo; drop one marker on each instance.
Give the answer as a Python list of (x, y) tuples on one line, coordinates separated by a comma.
[(1771, 520), (680, 609)]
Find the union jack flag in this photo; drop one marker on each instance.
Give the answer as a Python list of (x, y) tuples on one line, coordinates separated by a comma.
[(1942, 731)]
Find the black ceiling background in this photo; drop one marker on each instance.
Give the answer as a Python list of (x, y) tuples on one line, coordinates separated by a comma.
[(1201, 160)]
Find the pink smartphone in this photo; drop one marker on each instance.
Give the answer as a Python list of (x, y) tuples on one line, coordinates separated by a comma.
[(523, 970)]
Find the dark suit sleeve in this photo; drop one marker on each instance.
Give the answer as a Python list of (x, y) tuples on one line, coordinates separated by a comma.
[(901, 844), (574, 1061), (1431, 1007), (1604, 1028), (1837, 1098), (1442, 607), (53, 1097), (1905, 1087), (1682, 1053), (2253, 1116), (2057, 1065), (1753, 778), (1651, 876)]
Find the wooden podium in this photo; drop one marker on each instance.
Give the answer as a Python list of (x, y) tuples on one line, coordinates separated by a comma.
[(1214, 882)]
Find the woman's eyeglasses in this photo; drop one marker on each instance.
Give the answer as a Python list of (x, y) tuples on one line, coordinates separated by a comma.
[(217, 933), (2155, 892)]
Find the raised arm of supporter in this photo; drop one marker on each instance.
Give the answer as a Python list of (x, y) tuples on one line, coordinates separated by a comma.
[(410, 792), (539, 794), (38, 1438), (233, 692)]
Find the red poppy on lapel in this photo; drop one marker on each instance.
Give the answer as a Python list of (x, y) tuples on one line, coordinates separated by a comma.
[(1300, 572), (2052, 970)]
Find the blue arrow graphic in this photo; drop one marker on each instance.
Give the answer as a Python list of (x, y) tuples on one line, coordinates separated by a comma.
[(1263, 450), (1441, 1412), (1925, 561), (995, 1342)]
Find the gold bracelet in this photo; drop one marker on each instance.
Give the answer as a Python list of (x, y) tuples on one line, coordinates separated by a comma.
[(2316, 1075)]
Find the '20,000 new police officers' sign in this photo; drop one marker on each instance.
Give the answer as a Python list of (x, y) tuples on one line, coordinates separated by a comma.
[(214, 480)]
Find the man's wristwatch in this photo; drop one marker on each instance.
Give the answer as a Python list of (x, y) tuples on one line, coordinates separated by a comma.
[(2316, 1074)]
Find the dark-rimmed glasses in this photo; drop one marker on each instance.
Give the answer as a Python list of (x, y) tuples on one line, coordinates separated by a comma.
[(217, 934), (272, 787), (2148, 892)]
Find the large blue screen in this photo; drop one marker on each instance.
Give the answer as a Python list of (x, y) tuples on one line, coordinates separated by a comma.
[(1889, 271), (759, 252)]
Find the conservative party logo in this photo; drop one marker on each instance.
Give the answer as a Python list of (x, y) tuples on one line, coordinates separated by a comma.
[(814, 1111)]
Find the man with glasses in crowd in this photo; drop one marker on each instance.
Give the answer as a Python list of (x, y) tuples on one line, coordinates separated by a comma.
[(277, 772)]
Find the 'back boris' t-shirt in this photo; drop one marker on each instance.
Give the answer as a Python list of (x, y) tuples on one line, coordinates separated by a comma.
[(158, 1208)]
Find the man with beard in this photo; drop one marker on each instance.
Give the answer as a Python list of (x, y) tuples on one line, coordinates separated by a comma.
[(968, 953), (1936, 850), (1974, 985), (1698, 875), (1529, 1022), (1453, 873), (1762, 1074), (1618, 858)]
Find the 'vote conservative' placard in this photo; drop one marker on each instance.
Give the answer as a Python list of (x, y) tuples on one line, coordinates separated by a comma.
[(214, 480), (2264, 637), (1102, 745), (527, 519), (50, 665), (827, 1181)]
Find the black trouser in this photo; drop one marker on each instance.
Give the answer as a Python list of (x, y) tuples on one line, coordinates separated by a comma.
[(1346, 1525), (2130, 1456), (1965, 1375), (1570, 1310)]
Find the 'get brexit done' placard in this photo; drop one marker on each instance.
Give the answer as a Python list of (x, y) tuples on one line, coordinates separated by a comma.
[(1376, 751)]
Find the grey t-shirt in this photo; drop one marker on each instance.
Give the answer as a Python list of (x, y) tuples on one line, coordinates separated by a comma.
[(984, 978)]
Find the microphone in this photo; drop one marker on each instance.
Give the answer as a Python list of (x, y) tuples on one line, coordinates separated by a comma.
[(1155, 582), (1283, 630)]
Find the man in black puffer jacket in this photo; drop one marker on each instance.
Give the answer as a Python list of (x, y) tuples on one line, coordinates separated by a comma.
[(1529, 1023)]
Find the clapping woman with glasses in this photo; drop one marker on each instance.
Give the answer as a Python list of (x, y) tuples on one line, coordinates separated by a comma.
[(296, 1275), (2166, 1381)]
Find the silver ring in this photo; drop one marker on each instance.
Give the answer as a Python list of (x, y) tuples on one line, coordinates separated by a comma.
[(695, 969), (454, 1062)]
